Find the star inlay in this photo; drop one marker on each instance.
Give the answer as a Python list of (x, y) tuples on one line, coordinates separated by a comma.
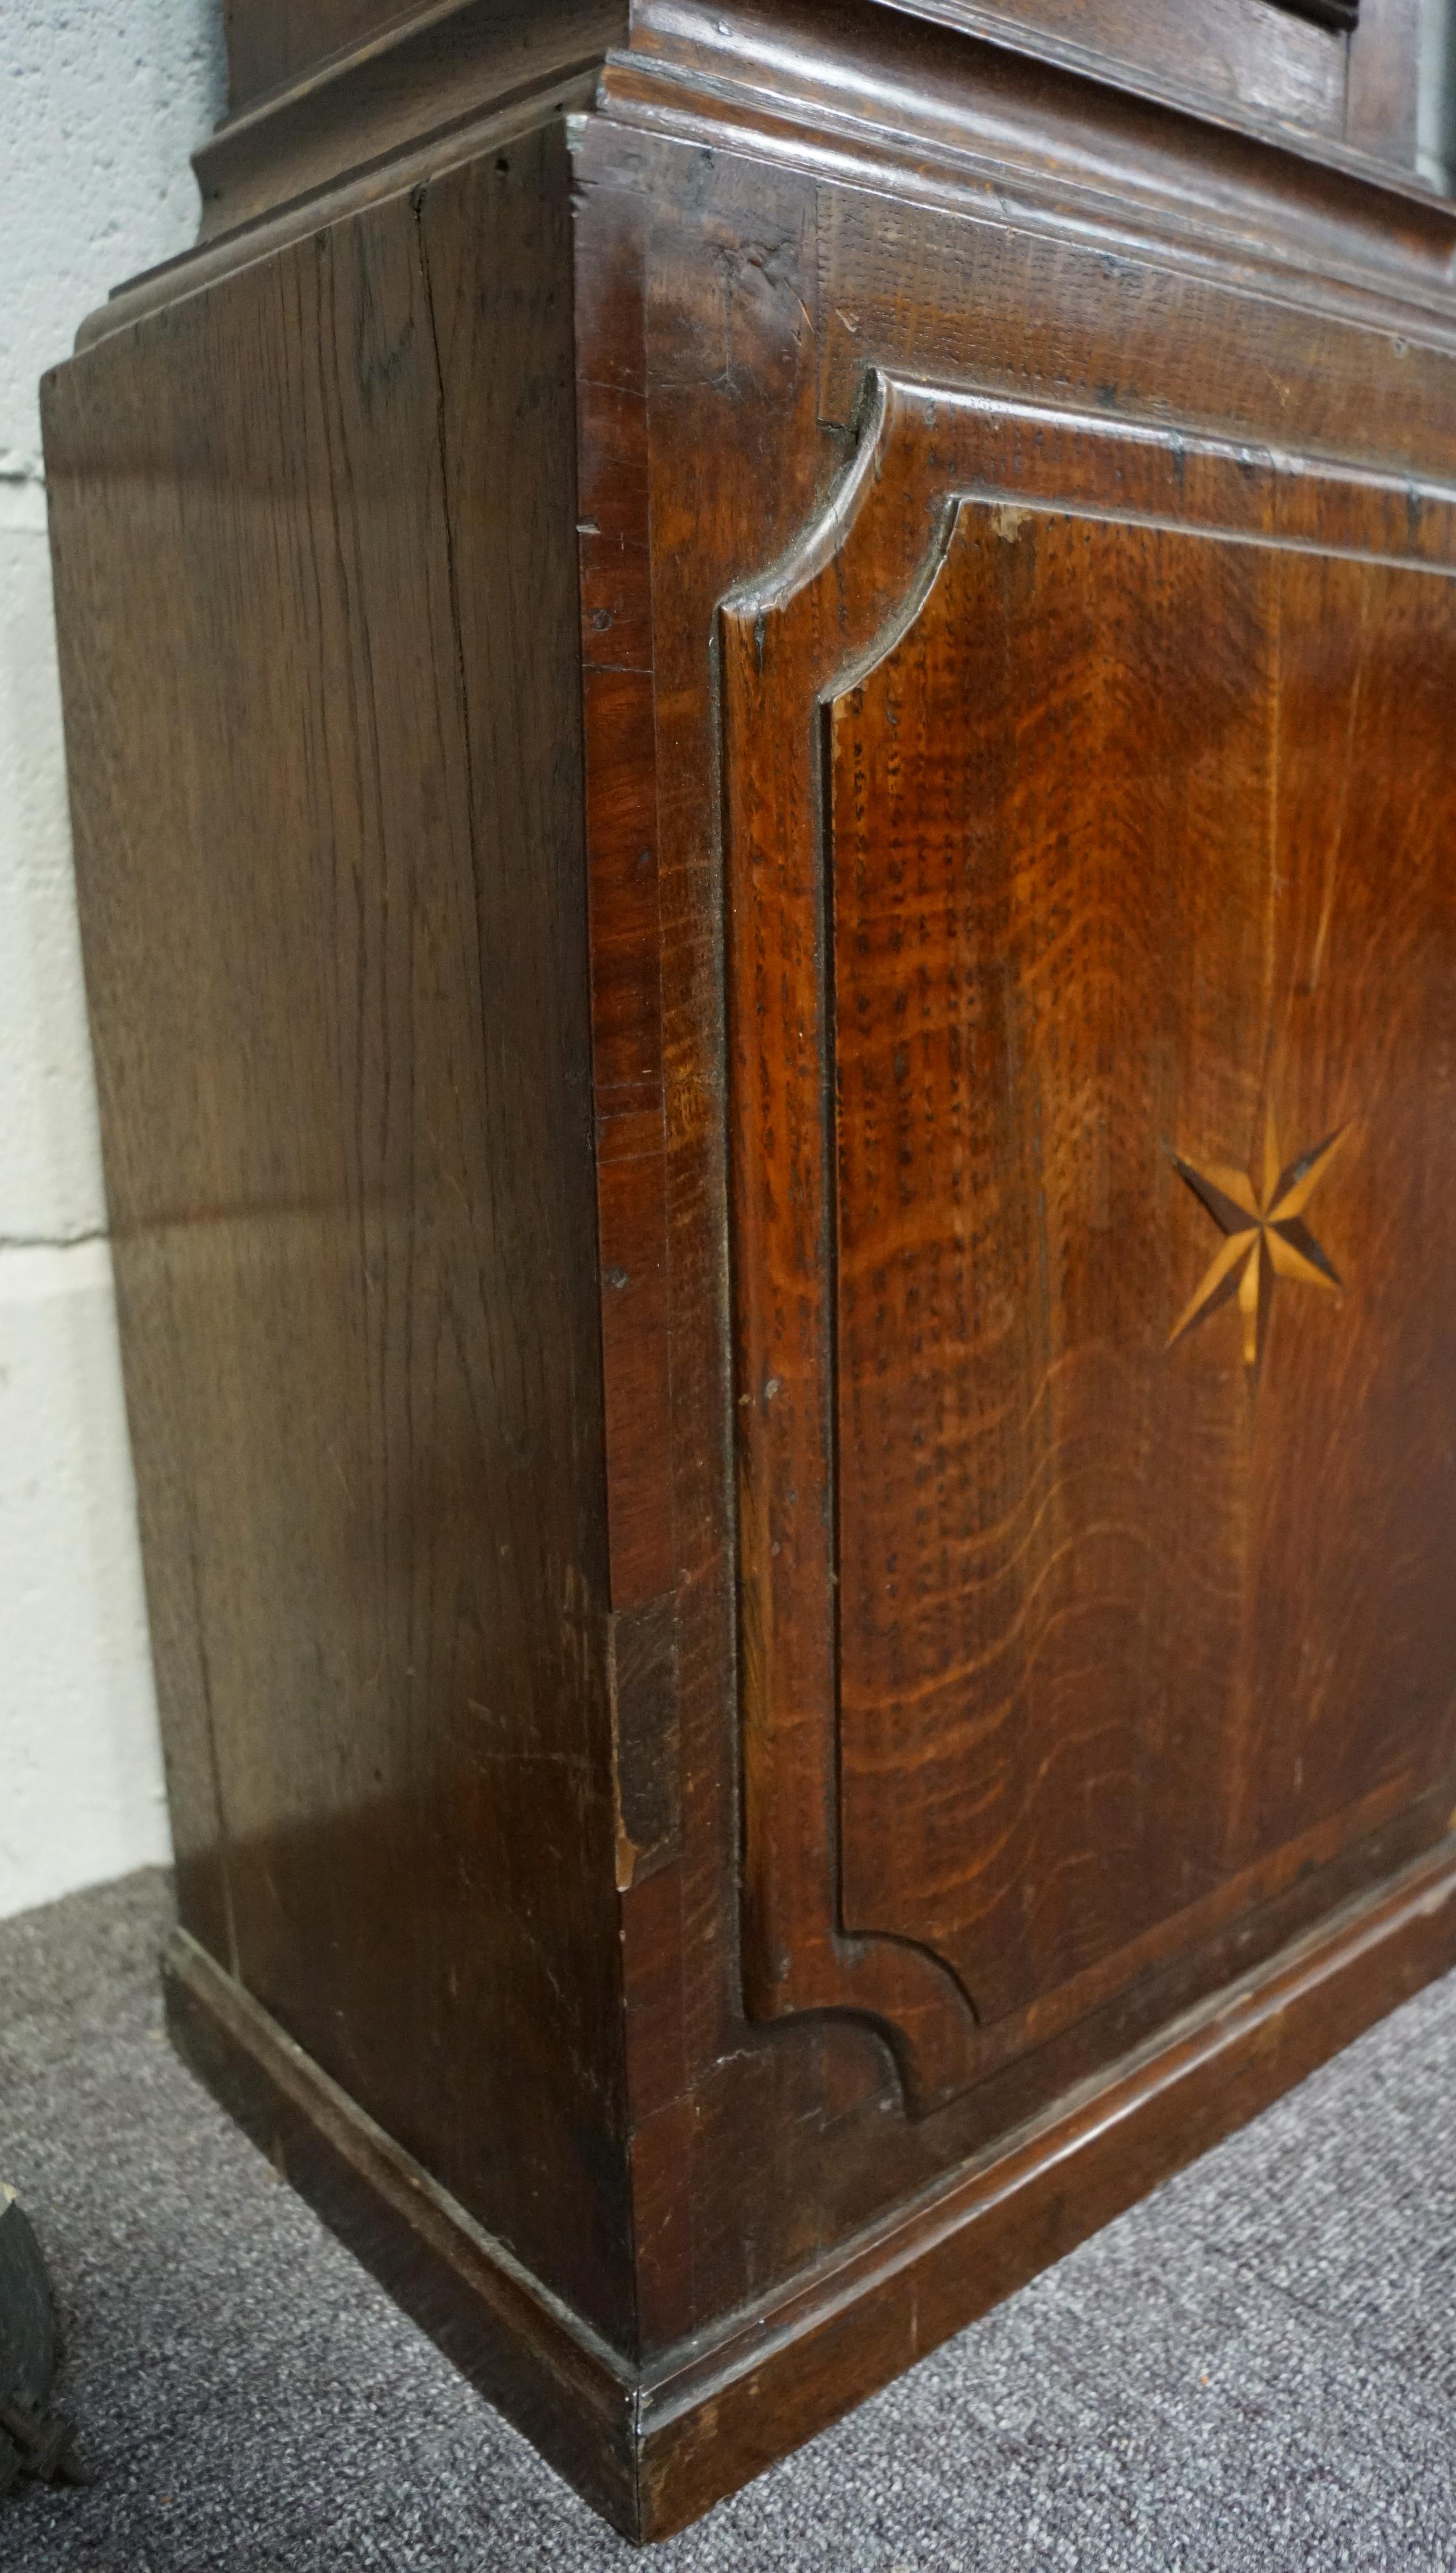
[(1266, 1236)]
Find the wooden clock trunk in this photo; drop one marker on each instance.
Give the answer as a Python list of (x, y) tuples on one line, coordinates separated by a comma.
[(762, 715)]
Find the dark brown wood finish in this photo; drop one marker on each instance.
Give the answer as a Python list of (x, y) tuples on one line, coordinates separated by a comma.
[(653, 2447), (273, 41), (1341, 68), (1243, 54), (1073, 1561), (413, 79), (768, 900), (561, 2383), (349, 1162), (940, 281)]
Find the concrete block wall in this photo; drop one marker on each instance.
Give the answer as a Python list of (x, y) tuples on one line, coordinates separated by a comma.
[(101, 101)]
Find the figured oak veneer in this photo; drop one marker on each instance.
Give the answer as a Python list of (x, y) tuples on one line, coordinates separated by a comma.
[(1079, 892), (758, 702)]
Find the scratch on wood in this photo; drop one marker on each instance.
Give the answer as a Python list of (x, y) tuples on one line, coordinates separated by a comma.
[(642, 1685)]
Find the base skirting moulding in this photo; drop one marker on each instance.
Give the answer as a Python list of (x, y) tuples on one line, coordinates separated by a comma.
[(654, 2446), (758, 702)]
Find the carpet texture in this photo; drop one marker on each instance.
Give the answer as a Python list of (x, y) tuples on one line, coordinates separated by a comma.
[(1253, 2371)]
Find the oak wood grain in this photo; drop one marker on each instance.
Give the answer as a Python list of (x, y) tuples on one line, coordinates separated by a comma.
[(654, 2446), (1067, 1564), (1276, 60), (582, 857), (754, 277), (712, 2416), (350, 1159), (1073, 1560)]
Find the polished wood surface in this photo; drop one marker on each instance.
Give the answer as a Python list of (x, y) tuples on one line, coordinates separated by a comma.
[(828, 282), (348, 1161), (1077, 891), (322, 93), (653, 2447), (1245, 54), (1346, 70), (760, 764)]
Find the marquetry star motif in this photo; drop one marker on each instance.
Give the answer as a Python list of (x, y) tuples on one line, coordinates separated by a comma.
[(1265, 1235)]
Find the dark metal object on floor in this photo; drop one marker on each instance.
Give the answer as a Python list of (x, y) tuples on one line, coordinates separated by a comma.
[(34, 2441)]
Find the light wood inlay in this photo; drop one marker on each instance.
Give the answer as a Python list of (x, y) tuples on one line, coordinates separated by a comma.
[(1265, 1235)]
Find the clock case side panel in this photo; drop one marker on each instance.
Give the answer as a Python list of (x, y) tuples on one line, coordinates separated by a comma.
[(314, 544)]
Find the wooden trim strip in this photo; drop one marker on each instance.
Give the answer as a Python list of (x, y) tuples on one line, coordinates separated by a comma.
[(402, 84), (224, 254), (976, 122), (712, 2419), (654, 2449), (546, 2370)]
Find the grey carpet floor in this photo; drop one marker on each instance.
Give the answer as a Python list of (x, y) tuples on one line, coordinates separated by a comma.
[(1253, 2371)]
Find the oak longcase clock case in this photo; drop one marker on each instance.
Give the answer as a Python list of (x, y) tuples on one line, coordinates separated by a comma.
[(762, 718)]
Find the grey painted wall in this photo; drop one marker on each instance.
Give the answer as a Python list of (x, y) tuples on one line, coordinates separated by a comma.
[(101, 101)]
